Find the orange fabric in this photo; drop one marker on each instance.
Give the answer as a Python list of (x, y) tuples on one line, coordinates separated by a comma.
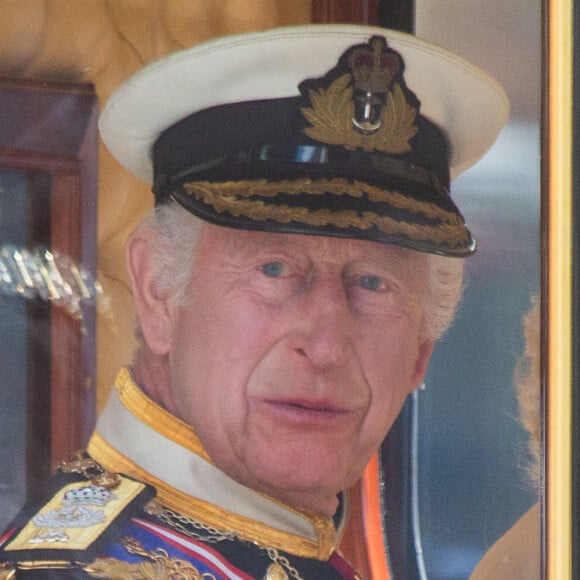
[(372, 523), (362, 542)]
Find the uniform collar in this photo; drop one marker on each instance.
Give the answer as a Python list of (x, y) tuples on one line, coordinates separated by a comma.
[(137, 437)]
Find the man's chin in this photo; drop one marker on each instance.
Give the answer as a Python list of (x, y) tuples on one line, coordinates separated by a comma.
[(304, 486)]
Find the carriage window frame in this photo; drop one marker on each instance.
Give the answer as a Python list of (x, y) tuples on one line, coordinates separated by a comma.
[(48, 132)]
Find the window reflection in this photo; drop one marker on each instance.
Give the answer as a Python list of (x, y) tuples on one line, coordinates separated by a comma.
[(33, 281), (463, 481), (13, 365)]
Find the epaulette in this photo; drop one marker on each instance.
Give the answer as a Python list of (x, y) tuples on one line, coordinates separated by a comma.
[(87, 508)]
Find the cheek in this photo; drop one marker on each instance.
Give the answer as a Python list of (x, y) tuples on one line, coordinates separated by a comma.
[(388, 359), (388, 344), (252, 324), (219, 342)]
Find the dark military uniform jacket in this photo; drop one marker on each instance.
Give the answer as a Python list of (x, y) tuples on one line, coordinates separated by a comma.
[(145, 501)]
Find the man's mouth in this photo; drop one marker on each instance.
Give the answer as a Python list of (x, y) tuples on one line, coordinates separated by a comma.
[(305, 410), (312, 406)]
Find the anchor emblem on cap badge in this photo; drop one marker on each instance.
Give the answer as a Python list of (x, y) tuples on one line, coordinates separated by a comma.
[(373, 70)]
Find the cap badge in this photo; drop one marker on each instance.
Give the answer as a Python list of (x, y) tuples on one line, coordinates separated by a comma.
[(373, 71), (366, 107)]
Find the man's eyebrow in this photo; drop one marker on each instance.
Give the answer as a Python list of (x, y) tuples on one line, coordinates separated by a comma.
[(246, 247), (248, 242)]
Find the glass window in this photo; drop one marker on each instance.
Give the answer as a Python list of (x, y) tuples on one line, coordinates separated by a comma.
[(458, 474)]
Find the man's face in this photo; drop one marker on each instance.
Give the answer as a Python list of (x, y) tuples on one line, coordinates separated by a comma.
[(295, 354)]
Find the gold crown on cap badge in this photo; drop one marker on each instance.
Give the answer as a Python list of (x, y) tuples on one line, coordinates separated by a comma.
[(366, 107)]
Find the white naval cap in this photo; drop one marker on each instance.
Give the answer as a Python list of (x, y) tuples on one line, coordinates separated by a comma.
[(339, 130)]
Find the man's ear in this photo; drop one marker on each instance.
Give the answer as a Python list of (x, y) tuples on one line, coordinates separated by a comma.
[(422, 362), (153, 309)]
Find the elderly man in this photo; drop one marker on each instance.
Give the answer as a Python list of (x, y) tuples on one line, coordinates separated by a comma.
[(303, 257)]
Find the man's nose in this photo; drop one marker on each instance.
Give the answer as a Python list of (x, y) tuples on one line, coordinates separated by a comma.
[(324, 336)]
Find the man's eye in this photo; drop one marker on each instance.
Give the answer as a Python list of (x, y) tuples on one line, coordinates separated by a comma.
[(273, 269), (372, 283)]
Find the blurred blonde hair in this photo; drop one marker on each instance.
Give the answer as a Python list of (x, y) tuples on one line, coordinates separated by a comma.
[(527, 379)]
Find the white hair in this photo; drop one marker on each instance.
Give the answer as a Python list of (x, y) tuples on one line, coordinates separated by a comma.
[(444, 290), (173, 233)]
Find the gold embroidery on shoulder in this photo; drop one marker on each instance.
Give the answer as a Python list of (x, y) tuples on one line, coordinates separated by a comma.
[(75, 516), (158, 566), (7, 572)]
